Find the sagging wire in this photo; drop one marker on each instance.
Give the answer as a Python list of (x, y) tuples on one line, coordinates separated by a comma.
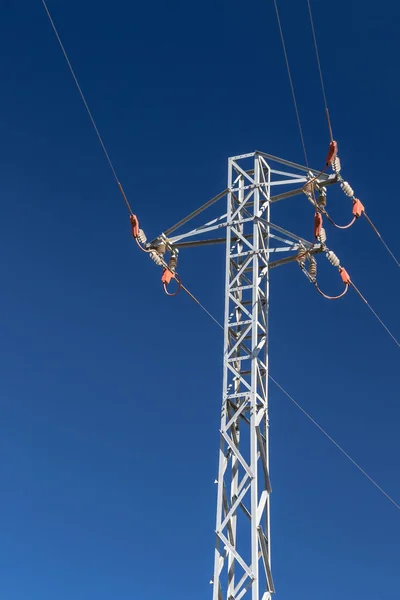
[(167, 278), (335, 262), (157, 251), (304, 256), (339, 226), (333, 160), (358, 209), (170, 273), (332, 297)]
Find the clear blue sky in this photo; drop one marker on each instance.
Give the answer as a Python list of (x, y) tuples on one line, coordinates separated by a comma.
[(110, 392)]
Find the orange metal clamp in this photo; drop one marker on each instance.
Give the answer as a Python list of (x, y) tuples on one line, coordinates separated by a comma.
[(358, 208), (332, 153), (317, 224), (345, 276), (135, 226), (167, 276)]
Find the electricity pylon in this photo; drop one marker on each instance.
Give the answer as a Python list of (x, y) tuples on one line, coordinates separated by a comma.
[(254, 246)]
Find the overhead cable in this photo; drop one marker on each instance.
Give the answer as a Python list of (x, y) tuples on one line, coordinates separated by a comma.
[(331, 136), (305, 156), (375, 314), (320, 70), (201, 306), (89, 112), (374, 483), (291, 81), (381, 239), (330, 438)]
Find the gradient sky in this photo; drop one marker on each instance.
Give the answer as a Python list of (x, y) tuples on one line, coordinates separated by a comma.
[(110, 392)]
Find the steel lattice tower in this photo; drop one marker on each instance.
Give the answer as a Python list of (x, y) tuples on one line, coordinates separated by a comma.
[(242, 561), (243, 533)]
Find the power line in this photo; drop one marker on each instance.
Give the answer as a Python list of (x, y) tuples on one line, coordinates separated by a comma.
[(375, 314), (370, 479), (291, 81), (201, 306), (374, 483), (351, 283), (381, 239), (330, 126), (306, 159), (86, 105), (320, 70)]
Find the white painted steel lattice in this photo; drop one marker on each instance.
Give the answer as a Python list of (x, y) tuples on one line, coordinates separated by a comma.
[(243, 515), (243, 534)]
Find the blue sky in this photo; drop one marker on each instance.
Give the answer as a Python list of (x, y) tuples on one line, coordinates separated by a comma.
[(110, 392)]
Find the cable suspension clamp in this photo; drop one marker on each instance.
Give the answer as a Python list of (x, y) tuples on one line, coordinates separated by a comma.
[(135, 226), (332, 153)]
